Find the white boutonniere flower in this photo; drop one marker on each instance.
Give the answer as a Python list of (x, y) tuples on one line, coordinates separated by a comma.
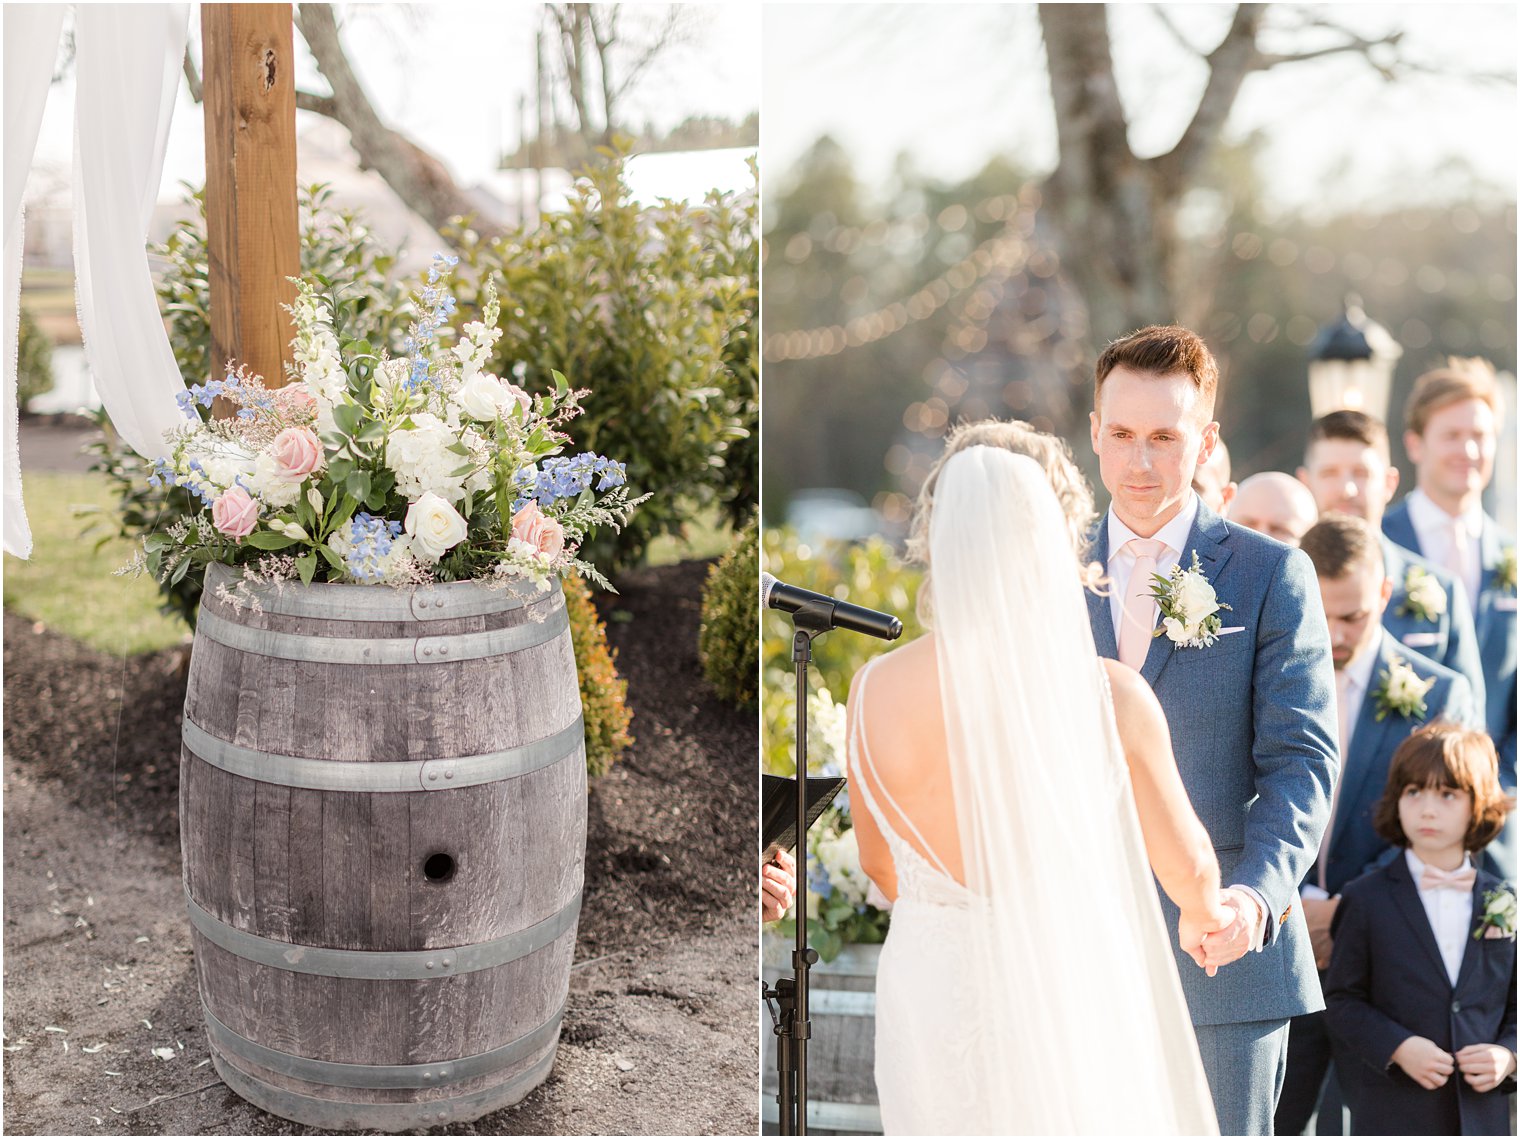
[(1424, 599), (1189, 607), (1401, 691), (1504, 573), (1498, 914)]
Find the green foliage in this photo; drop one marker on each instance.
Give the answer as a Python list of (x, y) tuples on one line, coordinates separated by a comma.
[(34, 361), (654, 310), (729, 641), (334, 243), (604, 694)]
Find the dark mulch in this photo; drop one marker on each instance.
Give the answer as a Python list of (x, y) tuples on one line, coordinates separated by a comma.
[(660, 1036)]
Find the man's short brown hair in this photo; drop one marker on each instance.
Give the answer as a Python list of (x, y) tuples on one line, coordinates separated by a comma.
[(1444, 754), (1460, 379), (1340, 543), (1163, 350), (1355, 426)]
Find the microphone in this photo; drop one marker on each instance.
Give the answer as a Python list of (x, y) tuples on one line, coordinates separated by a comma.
[(836, 614)]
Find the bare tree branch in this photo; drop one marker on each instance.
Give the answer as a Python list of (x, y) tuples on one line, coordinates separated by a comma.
[(321, 104), (1174, 31), (1235, 57)]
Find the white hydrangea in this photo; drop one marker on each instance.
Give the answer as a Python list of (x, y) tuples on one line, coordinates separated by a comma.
[(270, 485), (222, 461), (422, 461), (839, 853)]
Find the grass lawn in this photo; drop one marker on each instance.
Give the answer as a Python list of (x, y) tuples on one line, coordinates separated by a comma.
[(68, 585), (708, 535)]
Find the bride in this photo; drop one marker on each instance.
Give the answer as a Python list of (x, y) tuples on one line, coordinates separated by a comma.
[(1027, 984)]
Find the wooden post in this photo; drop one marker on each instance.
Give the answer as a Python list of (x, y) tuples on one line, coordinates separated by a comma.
[(252, 237)]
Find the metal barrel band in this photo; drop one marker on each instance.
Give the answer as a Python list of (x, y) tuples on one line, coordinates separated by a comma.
[(382, 650), (340, 602), (387, 775), (437, 1074), (382, 965), (339, 1115)]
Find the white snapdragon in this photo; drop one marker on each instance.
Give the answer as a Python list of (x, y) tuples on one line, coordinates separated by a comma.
[(422, 461)]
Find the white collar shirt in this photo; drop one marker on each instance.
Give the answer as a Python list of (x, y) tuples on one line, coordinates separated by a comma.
[(1358, 681), (1449, 913), (1121, 562), (1433, 527)]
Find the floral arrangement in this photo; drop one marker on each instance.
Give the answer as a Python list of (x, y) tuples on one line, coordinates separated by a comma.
[(1424, 599), (1498, 918), (1401, 691), (368, 469), (841, 906), (1504, 573), (1189, 607)]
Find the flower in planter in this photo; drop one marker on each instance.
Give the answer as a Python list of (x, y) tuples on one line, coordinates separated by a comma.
[(423, 468)]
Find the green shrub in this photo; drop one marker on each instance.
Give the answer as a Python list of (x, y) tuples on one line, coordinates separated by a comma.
[(604, 694), (654, 310), (334, 243), (729, 641), (34, 361)]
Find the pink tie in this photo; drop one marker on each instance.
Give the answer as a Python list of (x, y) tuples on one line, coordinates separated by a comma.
[(1344, 714), (1139, 619), (1463, 879), (1460, 558)]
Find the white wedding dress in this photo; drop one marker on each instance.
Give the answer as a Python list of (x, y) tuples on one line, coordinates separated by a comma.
[(1041, 996)]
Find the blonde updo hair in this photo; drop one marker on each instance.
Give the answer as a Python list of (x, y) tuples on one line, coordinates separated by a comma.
[(1051, 452)]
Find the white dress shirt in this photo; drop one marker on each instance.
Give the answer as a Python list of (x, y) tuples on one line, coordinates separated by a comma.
[(1351, 686), (1121, 564), (1450, 915), (1432, 526)]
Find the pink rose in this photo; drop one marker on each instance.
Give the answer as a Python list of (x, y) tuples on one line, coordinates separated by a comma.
[(524, 400), (297, 451), (235, 513), (533, 526)]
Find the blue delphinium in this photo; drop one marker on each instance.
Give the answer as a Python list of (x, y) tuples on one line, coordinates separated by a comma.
[(437, 305), (560, 477), (370, 541)]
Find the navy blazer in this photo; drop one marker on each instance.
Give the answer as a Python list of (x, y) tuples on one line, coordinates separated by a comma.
[(1495, 625), (1450, 638), (1252, 719), (1354, 846), (1387, 982)]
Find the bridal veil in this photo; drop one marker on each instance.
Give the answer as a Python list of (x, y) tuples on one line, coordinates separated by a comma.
[(1073, 965)]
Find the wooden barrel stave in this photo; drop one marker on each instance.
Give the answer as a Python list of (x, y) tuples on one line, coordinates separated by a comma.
[(340, 872)]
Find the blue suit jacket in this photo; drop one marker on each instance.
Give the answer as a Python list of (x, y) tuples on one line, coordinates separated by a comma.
[(1252, 719), (1387, 982), (1354, 846), (1450, 639), (1495, 626)]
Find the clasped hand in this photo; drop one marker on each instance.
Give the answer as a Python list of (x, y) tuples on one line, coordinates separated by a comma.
[(1220, 932)]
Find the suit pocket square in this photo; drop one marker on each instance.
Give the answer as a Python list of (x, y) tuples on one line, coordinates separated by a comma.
[(1493, 933), (1421, 640), (1227, 632)]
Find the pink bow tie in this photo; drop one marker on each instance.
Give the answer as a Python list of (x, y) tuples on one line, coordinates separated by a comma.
[(1433, 879)]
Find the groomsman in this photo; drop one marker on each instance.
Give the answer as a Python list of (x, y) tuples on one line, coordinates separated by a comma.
[(1251, 712), (1348, 468), (1212, 481), (1451, 425), (1383, 692), (1274, 504)]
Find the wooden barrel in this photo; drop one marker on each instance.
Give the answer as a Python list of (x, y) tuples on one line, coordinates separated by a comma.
[(383, 821), (842, 1051)]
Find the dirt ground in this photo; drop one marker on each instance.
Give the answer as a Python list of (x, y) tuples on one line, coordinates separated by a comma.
[(660, 1034)]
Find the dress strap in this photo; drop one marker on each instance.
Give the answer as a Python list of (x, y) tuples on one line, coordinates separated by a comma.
[(858, 733)]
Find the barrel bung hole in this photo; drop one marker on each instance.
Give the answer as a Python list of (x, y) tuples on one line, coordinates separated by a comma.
[(438, 867)]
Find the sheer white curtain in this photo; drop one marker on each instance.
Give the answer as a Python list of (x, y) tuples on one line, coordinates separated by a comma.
[(127, 68), (31, 44)]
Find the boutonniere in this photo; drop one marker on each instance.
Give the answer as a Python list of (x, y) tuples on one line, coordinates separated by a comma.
[(1401, 691), (1189, 607), (1504, 573), (1498, 914), (1424, 599)]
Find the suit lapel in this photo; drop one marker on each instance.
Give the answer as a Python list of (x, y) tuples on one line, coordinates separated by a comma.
[(1368, 736), (1470, 952), (1098, 611), (1406, 895), (1397, 526), (1207, 539)]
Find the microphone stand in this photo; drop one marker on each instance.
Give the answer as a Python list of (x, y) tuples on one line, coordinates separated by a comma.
[(793, 1028)]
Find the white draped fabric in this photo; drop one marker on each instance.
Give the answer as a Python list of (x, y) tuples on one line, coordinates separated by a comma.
[(31, 44), (127, 64)]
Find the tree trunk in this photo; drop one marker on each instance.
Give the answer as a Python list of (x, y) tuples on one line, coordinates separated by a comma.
[(418, 178)]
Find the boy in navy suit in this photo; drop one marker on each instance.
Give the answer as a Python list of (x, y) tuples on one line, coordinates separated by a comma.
[(1420, 995)]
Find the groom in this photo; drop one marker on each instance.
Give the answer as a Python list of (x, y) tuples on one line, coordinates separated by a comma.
[(1252, 715)]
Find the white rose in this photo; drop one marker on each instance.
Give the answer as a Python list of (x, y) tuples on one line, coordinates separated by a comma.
[(1175, 629), (270, 484), (435, 527), (483, 397), (1196, 597)]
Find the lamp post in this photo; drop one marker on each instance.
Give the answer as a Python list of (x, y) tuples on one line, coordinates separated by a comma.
[(1351, 365)]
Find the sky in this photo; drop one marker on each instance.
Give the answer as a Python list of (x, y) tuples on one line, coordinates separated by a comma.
[(954, 84), (449, 75)]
